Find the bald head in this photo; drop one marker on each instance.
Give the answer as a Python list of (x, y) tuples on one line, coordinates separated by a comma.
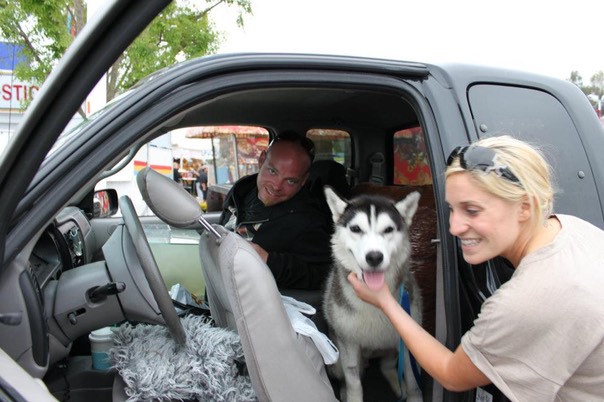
[(289, 151), (284, 169)]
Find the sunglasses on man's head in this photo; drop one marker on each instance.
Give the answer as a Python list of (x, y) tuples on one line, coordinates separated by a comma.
[(304, 142), (472, 157)]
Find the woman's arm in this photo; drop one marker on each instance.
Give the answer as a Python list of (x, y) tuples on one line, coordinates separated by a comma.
[(453, 370)]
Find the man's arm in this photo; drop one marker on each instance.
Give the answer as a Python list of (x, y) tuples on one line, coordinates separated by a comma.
[(229, 202), (261, 252), (305, 261)]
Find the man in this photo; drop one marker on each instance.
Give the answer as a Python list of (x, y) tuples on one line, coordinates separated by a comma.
[(176, 171), (202, 183), (277, 213)]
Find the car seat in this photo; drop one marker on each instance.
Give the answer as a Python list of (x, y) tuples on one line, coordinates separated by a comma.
[(243, 297), (331, 173)]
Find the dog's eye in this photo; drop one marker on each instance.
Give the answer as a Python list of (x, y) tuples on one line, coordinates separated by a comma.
[(389, 229), (355, 229)]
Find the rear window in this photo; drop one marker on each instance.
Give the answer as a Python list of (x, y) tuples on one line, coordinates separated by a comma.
[(411, 164), (332, 145)]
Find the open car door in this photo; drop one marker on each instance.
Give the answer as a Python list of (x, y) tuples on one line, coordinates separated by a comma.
[(23, 332)]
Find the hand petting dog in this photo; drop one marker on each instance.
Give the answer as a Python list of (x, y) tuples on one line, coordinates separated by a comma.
[(377, 297)]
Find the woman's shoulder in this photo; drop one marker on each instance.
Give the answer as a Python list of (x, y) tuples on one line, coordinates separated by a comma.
[(574, 224)]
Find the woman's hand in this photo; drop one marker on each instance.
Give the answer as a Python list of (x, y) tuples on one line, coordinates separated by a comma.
[(378, 298)]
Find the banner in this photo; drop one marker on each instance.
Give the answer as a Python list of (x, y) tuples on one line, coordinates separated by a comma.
[(13, 93)]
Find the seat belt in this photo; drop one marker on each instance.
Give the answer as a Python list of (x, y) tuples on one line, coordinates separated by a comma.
[(377, 168), (405, 303)]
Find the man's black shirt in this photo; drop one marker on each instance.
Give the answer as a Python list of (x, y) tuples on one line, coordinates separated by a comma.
[(295, 233)]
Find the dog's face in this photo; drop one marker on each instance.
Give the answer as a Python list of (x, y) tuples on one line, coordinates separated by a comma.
[(371, 232)]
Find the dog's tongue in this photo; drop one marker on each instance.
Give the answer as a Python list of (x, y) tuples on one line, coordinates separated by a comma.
[(374, 280)]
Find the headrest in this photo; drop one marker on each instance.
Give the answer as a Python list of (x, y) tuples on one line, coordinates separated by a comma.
[(329, 172), (168, 199)]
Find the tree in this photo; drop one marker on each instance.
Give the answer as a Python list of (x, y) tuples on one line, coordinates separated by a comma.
[(576, 78), (593, 91), (597, 83), (44, 30), (40, 29)]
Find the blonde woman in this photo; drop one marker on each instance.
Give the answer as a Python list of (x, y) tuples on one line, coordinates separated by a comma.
[(540, 336)]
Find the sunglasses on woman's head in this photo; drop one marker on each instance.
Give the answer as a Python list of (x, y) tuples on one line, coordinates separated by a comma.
[(472, 157)]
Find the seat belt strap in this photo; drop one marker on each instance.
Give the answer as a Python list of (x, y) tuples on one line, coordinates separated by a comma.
[(377, 168), (405, 303)]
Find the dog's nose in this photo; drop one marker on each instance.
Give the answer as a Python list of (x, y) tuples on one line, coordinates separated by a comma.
[(374, 258)]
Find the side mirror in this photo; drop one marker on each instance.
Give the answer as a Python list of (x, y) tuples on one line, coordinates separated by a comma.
[(105, 203)]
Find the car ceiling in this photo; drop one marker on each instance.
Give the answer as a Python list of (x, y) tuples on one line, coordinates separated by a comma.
[(283, 108)]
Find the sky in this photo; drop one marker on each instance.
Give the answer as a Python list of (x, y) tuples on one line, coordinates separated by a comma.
[(541, 36)]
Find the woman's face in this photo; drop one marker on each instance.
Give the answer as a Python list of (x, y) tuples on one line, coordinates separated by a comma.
[(486, 225)]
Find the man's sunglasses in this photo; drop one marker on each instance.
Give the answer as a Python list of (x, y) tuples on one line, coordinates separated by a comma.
[(293, 137), (472, 157)]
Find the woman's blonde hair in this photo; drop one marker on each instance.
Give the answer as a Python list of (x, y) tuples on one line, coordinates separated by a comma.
[(524, 161)]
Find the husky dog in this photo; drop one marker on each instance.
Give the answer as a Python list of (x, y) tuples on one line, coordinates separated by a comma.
[(371, 239)]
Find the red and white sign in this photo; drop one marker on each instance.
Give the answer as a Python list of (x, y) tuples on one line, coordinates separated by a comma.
[(14, 92)]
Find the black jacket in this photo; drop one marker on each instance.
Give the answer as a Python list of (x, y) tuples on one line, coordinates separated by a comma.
[(296, 236)]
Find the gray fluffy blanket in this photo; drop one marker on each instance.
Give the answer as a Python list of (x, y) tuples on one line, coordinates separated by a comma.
[(154, 368)]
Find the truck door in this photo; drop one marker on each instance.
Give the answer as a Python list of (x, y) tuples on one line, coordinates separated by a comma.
[(540, 119)]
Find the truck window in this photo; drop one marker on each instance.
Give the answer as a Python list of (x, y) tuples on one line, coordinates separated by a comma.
[(233, 150), (332, 145), (539, 118), (411, 164)]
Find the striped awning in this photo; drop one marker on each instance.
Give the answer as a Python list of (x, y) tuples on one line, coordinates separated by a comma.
[(219, 131)]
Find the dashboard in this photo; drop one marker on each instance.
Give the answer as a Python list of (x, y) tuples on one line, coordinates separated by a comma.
[(65, 244)]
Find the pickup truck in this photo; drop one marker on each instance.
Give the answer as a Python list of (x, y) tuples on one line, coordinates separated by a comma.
[(396, 122)]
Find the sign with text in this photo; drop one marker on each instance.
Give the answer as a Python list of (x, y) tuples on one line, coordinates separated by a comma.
[(13, 92)]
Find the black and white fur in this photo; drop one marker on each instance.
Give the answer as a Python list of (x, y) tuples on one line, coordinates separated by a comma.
[(371, 235)]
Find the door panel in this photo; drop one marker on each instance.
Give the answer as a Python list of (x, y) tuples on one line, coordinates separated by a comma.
[(17, 385), (540, 119)]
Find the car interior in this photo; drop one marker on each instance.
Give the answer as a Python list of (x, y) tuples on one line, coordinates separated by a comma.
[(95, 264)]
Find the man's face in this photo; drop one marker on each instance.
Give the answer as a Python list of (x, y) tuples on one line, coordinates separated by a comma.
[(283, 172)]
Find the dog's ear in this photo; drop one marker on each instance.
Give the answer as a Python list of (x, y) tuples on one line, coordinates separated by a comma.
[(408, 206), (336, 204)]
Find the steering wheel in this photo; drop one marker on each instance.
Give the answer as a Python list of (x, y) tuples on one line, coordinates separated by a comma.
[(151, 271)]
